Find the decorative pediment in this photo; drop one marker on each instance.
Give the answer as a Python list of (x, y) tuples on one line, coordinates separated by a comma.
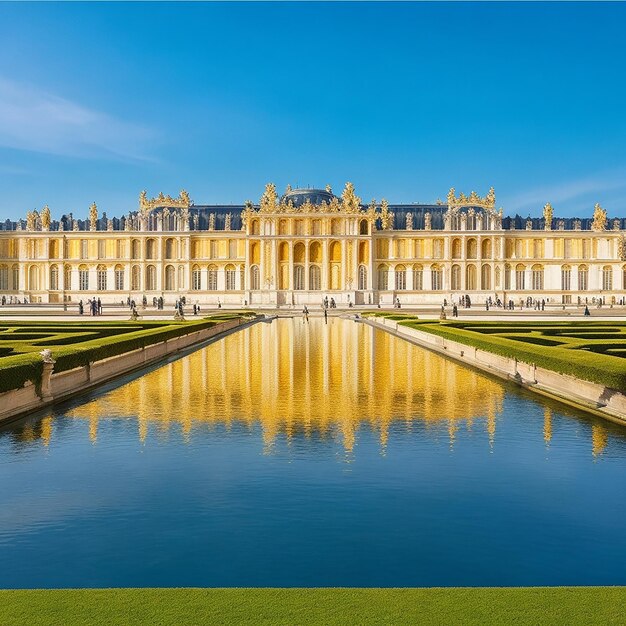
[(146, 204)]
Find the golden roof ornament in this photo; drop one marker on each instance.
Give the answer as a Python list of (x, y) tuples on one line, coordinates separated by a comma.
[(473, 200), (269, 199), (351, 202), (548, 214), (599, 218), (182, 202)]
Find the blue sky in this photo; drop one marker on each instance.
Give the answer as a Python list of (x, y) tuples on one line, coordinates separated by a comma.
[(100, 101)]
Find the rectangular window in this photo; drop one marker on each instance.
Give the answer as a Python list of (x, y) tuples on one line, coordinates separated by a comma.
[(4, 278), (213, 249), (230, 279), (537, 277), (607, 279), (519, 280), (232, 249), (119, 280), (418, 279), (195, 280), (436, 280), (83, 280), (102, 249), (212, 280), (566, 280), (102, 280), (583, 280), (84, 249)]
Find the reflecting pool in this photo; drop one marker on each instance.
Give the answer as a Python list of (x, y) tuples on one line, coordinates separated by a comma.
[(311, 454)]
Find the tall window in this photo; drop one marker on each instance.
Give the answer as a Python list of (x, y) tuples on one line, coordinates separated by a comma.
[(151, 278), (520, 279), (150, 249), (566, 278), (196, 278), (362, 277), (135, 249), (315, 278), (84, 249), (418, 278), (212, 278), (583, 278), (135, 278), (102, 249), (537, 277), (471, 249), (456, 248), (213, 249), (120, 249), (400, 273), (383, 277), (537, 249), (4, 278), (169, 248), (507, 277), (298, 277), (436, 277), (485, 277), (255, 278), (438, 249), (231, 275), (607, 278), (170, 278), (83, 278), (232, 249), (67, 277), (119, 278), (54, 278), (456, 278), (101, 274), (585, 248), (567, 248)]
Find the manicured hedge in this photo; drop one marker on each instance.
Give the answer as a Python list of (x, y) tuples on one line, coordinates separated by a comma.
[(16, 370), (598, 368)]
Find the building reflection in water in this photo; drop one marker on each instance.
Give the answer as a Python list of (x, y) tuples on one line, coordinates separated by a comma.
[(309, 379), (292, 378)]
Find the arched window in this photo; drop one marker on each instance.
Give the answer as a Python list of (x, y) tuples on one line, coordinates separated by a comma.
[(607, 278), (455, 222), (456, 278), (438, 249), (383, 277), (507, 277), (335, 251), (315, 278), (119, 277), (212, 278), (101, 277), (520, 277), (135, 249), (170, 249), (537, 277), (135, 278), (486, 249), (67, 277), (150, 278), (54, 277), (315, 252), (400, 274), (470, 277), (418, 277), (255, 278), (54, 249), (298, 277), (170, 278), (298, 253), (231, 277), (498, 281), (471, 220), (456, 248), (196, 278), (83, 277), (485, 277), (362, 277), (363, 227), (150, 249), (583, 278), (471, 248), (4, 278), (566, 278), (254, 227), (436, 277)]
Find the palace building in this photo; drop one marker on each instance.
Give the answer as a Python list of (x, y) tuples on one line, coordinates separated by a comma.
[(308, 244)]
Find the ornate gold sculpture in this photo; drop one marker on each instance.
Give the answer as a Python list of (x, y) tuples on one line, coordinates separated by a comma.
[(351, 202), (45, 218), (269, 199), (182, 202), (93, 217), (548, 213), (488, 202), (599, 218)]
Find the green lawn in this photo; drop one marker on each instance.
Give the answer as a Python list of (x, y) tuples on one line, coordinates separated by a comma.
[(536, 605), (74, 344), (590, 350)]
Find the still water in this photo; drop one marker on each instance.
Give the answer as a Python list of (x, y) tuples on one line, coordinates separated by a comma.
[(292, 454)]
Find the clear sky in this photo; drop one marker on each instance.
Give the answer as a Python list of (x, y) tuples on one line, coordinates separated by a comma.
[(100, 101)]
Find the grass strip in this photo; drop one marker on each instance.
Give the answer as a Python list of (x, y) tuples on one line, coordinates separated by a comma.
[(604, 369), (520, 605)]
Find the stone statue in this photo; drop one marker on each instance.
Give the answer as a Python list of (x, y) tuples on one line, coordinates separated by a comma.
[(599, 218), (577, 224), (548, 213), (428, 221), (212, 221), (409, 221), (227, 221), (621, 248), (93, 217), (529, 224), (45, 218)]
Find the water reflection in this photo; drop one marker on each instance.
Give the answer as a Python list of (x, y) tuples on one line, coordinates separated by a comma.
[(293, 379)]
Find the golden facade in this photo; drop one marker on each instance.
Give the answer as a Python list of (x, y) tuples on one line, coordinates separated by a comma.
[(308, 244)]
